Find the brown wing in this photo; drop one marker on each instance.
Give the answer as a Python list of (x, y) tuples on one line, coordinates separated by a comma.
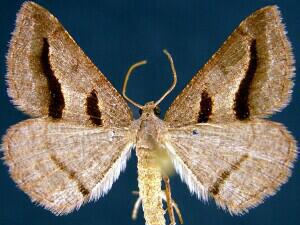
[(249, 76), (49, 75), (62, 165), (239, 164)]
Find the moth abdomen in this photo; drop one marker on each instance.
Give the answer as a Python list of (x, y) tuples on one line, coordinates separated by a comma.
[(149, 182)]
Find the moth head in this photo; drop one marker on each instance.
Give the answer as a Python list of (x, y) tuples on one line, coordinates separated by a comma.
[(150, 108)]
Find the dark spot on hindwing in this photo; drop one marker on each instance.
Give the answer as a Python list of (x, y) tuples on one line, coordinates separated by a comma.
[(92, 108), (205, 107), (241, 107), (215, 188), (57, 102), (71, 175)]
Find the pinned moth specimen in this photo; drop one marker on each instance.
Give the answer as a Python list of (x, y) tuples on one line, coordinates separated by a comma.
[(215, 134)]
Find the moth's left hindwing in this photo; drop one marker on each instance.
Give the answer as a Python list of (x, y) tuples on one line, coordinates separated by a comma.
[(49, 75), (61, 165)]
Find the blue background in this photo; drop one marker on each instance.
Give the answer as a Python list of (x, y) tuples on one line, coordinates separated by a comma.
[(115, 34)]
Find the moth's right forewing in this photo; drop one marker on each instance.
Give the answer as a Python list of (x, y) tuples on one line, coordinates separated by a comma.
[(249, 77), (238, 164), (49, 75), (62, 165)]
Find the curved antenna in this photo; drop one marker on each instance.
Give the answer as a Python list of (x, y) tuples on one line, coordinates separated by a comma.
[(129, 72), (174, 77)]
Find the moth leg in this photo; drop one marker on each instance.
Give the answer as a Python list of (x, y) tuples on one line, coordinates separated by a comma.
[(170, 203), (136, 205), (169, 200), (175, 206)]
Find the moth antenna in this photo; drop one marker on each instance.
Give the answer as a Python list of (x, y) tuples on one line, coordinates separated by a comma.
[(129, 72), (174, 77)]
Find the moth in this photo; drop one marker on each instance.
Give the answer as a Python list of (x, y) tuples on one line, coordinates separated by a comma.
[(214, 134)]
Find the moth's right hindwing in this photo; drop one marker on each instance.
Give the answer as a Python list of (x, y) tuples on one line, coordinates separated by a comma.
[(239, 164), (49, 75), (62, 165)]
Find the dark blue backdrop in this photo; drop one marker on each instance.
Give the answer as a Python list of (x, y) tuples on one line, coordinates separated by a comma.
[(115, 34)]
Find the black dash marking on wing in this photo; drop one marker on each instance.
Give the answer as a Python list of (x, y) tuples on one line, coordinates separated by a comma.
[(215, 189), (71, 174), (57, 102), (92, 108), (241, 107), (205, 107)]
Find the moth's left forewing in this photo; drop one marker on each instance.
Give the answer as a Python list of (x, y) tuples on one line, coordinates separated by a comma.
[(238, 164), (49, 75)]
